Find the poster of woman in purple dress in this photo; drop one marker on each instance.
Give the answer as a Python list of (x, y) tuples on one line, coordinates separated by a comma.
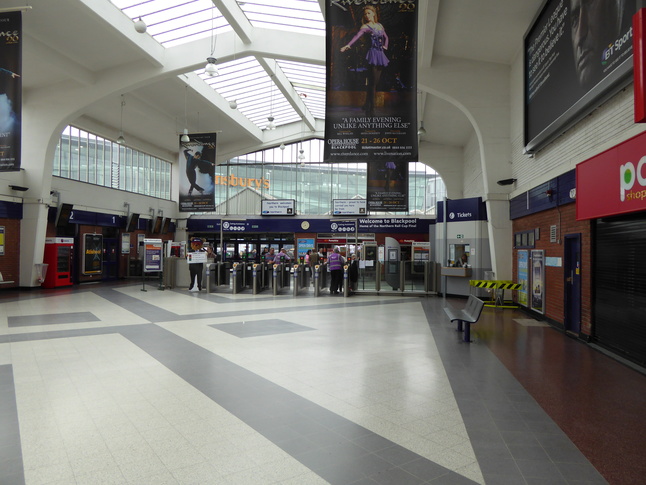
[(371, 81)]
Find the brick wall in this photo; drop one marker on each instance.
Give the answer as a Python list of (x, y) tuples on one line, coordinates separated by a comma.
[(564, 218), (10, 262)]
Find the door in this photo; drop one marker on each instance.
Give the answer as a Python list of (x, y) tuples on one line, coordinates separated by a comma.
[(572, 283), (110, 259)]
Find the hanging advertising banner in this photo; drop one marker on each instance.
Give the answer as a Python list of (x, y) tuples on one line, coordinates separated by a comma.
[(388, 186), (538, 281), (10, 90), (197, 162), (523, 277), (371, 102), (92, 253)]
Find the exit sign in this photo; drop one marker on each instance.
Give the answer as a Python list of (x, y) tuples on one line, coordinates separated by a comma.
[(460, 236)]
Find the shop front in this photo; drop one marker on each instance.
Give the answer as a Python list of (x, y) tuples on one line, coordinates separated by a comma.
[(611, 194)]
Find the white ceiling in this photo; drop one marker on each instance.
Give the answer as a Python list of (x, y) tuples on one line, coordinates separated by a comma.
[(77, 44)]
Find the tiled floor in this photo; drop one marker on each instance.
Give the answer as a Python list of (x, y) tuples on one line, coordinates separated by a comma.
[(110, 384)]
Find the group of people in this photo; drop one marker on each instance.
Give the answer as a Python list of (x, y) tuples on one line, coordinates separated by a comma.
[(312, 258)]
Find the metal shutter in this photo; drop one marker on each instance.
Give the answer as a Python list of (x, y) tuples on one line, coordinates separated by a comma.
[(619, 286)]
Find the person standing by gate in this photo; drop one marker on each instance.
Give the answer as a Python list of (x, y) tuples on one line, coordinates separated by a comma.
[(335, 262), (195, 269)]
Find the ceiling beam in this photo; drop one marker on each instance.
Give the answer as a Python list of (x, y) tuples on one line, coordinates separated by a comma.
[(236, 18)]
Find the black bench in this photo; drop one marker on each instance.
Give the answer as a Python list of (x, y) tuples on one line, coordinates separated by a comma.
[(467, 315)]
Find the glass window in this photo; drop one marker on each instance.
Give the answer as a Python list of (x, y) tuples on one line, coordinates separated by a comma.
[(87, 157)]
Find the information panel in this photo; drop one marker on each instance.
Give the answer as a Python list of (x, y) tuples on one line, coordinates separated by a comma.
[(349, 207), (153, 251), (284, 207)]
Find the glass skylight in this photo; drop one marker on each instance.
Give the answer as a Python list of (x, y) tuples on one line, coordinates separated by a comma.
[(175, 22), (302, 16)]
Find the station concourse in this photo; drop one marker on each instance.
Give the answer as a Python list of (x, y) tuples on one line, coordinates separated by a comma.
[(101, 382)]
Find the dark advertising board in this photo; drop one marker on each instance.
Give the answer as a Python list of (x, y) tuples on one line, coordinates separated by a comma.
[(10, 90), (92, 253), (371, 51), (197, 167), (387, 186), (576, 52)]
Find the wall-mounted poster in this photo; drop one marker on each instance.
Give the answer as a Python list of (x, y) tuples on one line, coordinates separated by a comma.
[(538, 280), (371, 100), (523, 277), (92, 253), (125, 243), (576, 52)]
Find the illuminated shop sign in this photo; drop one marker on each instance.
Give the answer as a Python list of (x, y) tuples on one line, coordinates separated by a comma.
[(613, 182)]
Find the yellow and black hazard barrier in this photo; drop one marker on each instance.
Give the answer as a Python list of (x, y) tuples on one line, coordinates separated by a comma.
[(497, 292)]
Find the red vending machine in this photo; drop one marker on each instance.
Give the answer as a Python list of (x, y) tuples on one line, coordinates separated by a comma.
[(58, 257)]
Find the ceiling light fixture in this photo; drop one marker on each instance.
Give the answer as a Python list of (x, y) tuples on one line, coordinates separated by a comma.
[(140, 26), (185, 138), (422, 130), (211, 69), (271, 125), (121, 140)]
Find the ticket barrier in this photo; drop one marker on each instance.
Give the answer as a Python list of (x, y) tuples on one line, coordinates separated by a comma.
[(258, 277), (280, 277), (224, 273), (267, 274), (238, 272), (211, 271), (217, 274), (346, 281), (248, 274), (321, 276), (297, 276), (306, 276)]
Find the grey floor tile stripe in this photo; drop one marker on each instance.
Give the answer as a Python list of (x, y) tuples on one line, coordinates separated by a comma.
[(136, 306), (82, 332), (337, 449), (11, 465), (155, 314), (51, 319), (504, 422)]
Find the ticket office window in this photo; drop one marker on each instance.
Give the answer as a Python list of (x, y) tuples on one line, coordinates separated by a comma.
[(459, 255)]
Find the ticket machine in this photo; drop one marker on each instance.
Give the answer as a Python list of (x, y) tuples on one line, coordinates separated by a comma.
[(58, 256)]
